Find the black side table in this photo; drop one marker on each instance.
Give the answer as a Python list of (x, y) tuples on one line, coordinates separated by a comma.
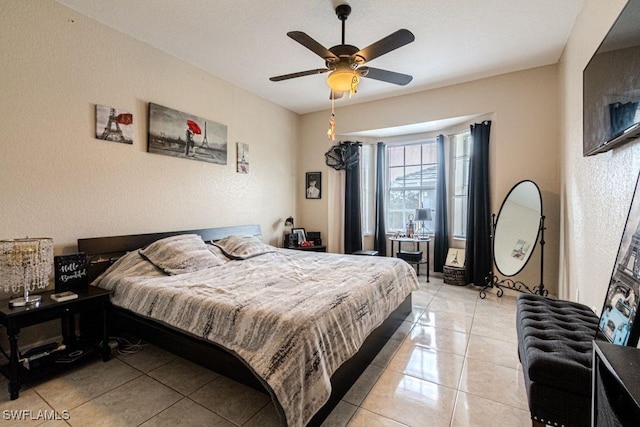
[(90, 299), (417, 242)]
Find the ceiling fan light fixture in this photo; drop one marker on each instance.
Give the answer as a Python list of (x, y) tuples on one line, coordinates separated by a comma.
[(343, 80)]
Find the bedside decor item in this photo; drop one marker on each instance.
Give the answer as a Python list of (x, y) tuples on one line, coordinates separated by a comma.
[(25, 263), (114, 125), (314, 236), (243, 157), (423, 215), (64, 296), (70, 272), (288, 240), (177, 134), (302, 237), (313, 185)]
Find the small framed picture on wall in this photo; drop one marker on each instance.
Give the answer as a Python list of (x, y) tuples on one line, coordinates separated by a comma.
[(313, 185)]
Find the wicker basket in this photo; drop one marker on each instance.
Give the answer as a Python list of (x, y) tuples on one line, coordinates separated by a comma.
[(454, 276)]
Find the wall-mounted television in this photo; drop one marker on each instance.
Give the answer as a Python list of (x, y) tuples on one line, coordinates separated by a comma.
[(611, 79)]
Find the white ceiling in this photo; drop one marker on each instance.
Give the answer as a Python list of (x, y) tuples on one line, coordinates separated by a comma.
[(244, 41)]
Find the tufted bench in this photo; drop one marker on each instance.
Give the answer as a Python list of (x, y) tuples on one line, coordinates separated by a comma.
[(555, 349)]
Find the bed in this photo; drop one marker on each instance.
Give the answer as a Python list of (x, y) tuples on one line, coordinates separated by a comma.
[(300, 326)]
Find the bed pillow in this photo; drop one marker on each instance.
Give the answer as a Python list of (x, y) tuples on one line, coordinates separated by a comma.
[(184, 253), (243, 246)]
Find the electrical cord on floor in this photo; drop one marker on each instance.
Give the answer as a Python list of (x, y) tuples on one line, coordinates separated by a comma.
[(127, 347)]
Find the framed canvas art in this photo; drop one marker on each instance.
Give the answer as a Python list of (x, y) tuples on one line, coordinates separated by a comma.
[(455, 258), (302, 236), (114, 125), (177, 134), (618, 318), (313, 185), (242, 158)]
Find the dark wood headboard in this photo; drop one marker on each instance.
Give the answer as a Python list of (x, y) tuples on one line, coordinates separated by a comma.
[(104, 251)]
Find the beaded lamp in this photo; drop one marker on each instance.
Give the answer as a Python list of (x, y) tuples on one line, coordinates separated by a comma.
[(25, 263)]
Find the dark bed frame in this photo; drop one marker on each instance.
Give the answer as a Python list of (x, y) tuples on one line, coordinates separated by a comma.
[(103, 251)]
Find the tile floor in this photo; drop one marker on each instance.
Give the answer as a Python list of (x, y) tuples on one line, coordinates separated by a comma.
[(452, 363)]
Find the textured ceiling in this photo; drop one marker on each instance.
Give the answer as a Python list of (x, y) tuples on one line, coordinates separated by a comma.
[(244, 41)]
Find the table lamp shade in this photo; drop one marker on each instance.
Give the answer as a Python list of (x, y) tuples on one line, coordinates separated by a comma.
[(25, 263), (423, 214)]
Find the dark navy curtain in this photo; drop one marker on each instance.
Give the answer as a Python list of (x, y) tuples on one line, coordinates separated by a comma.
[(478, 256), (352, 211), (380, 234), (441, 235)]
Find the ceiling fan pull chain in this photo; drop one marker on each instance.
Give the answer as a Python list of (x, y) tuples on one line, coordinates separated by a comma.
[(331, 133)]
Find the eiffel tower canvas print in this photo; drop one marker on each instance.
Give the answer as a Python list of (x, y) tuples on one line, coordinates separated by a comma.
[(177, 134), (618, 319), (114, 125)]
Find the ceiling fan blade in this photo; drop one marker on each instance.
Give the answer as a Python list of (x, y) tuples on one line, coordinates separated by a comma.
[(313, 45), (335, 95), (298, 74), (385, 45), (385, 75)]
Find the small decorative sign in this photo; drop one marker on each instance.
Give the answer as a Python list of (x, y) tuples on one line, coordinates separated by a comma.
[(70, 272), (455, 258)]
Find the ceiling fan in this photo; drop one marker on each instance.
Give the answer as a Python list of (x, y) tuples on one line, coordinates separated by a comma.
[(346, 62)]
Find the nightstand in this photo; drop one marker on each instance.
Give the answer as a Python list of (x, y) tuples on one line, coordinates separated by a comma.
[(89, 299)]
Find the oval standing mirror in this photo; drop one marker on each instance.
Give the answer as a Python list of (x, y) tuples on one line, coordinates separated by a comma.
[(517, 227)]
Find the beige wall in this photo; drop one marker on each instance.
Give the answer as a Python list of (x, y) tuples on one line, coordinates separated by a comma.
[(596, 191), (57, 180), (524, 144)]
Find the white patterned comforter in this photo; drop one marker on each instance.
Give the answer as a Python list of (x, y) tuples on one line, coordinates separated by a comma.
[(294, 317)]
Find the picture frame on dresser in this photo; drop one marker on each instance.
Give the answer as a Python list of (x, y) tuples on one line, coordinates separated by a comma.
[(618, 318), (302, 235)]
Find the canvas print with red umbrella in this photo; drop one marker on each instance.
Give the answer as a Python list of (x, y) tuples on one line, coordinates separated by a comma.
[(114, 125), (177, 134)]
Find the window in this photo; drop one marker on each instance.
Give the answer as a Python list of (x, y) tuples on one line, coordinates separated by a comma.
[(411, 182), (461, 153)]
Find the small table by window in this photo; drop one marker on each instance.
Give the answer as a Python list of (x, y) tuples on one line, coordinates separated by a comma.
[(14, 319), (417, 242)]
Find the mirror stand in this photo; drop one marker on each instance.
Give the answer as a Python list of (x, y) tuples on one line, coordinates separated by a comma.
[(493, 281)]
